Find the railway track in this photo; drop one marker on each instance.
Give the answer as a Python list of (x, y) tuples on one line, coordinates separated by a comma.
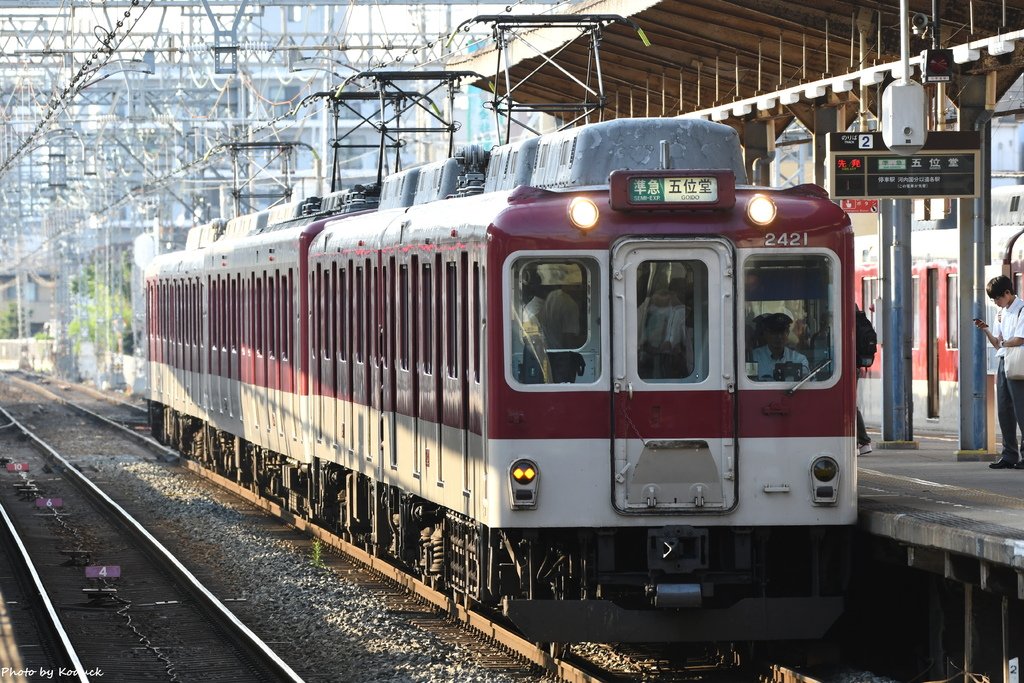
[(130, 609), (27, 615), (501, 648)]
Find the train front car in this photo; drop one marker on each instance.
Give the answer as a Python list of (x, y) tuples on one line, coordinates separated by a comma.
[(671, 395)]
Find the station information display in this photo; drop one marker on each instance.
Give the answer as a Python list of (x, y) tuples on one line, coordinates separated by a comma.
[(861, 166)]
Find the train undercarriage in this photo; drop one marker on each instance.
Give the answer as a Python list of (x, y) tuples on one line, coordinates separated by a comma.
[(631, 584)]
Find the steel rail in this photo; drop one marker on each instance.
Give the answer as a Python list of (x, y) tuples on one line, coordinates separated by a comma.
[(53, 621), (251, 643)]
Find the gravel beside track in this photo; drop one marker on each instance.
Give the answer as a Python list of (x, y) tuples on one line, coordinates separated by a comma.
[(303, 610)]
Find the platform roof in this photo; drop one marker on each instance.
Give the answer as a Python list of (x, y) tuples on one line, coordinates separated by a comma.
[(709, 53)]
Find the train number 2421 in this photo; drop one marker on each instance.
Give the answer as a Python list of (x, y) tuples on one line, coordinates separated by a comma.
[(785, 239)]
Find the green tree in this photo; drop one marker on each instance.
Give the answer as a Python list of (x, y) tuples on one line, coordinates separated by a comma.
[(9, 322), (98, 299)]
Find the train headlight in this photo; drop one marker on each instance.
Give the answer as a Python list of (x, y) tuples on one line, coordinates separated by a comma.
[(824, 480), (523, 477), (761, 209), (583, 213)]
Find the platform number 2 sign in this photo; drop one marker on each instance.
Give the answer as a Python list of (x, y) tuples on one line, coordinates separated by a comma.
[(1014, 670), (865, 141)]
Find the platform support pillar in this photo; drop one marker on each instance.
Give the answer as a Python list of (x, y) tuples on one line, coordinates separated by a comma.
[(977, 432), (1004, 614), (968, 631), (759, 150), (826, 120)]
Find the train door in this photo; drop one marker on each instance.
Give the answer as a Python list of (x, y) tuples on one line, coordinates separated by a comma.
[(932, 339), (234, 409), (428, 434), (673, 368), (362, 315), (343, 356), (454, 398), (387, 364), (214, 373)]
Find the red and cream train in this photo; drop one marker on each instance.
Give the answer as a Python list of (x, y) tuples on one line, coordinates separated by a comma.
[(529, 376)]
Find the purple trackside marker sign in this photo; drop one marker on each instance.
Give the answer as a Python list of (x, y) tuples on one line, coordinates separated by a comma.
[(103, 571)]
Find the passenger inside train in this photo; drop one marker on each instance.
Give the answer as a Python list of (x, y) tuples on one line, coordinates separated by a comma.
[(556, 338), (788, 303), (665, 320), (662, 333)]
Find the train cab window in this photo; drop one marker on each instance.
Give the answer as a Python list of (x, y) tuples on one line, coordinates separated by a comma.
[(789, 308), (555, 321), (672, 314)]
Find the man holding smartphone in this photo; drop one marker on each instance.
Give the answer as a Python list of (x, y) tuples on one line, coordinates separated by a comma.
[(1009, 331)]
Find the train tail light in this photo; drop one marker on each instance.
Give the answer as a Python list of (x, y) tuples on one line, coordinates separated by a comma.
[(761, 210), (824, 480), (583, 213), (523, 479)]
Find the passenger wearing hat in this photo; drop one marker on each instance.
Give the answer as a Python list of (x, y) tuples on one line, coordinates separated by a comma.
[(773, 357)]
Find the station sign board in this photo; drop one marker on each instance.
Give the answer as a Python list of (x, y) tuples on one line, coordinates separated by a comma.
[(861, 166)]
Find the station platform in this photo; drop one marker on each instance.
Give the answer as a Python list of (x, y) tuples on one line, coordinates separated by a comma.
[(937, 504)]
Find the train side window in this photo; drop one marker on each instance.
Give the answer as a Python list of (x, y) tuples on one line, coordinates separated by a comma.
[(222, 314), (952, 311), (555, 322), (273, 316), (326, 314), (427, 316), (788, 302), (256, 315), (387, 351), (672, 321), (451, 332), (404, 316), (358, 313), (477, 330), (342, 313), (316, 340), (236, 317)]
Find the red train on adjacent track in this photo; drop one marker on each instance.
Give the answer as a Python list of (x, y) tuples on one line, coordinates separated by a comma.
[(934, 332)]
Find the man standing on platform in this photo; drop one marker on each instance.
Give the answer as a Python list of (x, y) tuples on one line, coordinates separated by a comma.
[(1009, 332)]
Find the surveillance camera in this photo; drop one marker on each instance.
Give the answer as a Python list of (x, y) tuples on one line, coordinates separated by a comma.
[(919, 22)]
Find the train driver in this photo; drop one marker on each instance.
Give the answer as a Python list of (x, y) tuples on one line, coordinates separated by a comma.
[(776, 361)]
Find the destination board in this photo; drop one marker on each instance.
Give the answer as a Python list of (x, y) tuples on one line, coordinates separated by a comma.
[(860, 166)]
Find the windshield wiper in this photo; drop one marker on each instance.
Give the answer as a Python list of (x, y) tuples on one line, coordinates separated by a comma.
[(825, 363)]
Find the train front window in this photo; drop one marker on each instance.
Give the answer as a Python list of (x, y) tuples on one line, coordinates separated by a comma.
[(672, 321), (789, 318), (555, 323)]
